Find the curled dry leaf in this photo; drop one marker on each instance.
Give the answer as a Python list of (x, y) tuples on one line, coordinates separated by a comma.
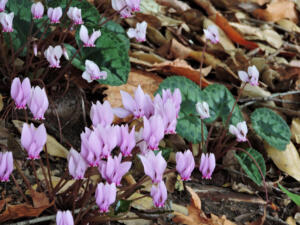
[(176, 4), (287, 161), (295, 130)]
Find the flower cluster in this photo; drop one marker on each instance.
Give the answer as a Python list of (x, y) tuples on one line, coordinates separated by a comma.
[(126, 7)]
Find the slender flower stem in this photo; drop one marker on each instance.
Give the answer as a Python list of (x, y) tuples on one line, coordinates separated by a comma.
[(46, 179), (20, 189), (28, 45), (48, 168), (23, 176), (3, 51), (12, 54), (35, 175), (111, 16), (201, 62), (202, 137), (75, 193), (59, 186)]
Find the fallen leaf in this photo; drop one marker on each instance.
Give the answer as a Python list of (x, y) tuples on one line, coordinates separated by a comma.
[(287, 161), (39, 199), (288, 25), (53, 147), (295, 130), (176, 4), (290, 221)]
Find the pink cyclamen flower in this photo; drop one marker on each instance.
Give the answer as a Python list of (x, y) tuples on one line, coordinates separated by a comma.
[(54, 14), (6, 165), (185, 164), (203, 110), (20, 92), (122, 7), (64, 218), (33, 140), (6, 21), (126, 140), (250, 77), (134, 5), (108, 137), (35, 49), (101, 114), (153, 131), (159, 194), (105, 196), (176, 98), (212, 34), (154, 166), (139, 33), (76, 164), (2, 5), (38, 103), (37, 10), (53, 56), (141, 105), (240, 131), (113, 170), (92, 72), (74, 14), (90, 147), (88, 41), (207, 165)]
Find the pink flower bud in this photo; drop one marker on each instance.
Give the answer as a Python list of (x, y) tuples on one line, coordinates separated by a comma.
[(113, 170), (250, 77), (20, 92), (6, 165), (35, 49), (6, 21), (212, 34), (74, 14), (77, 165), (92, 72), (127, 140), (240, 131), (122, 7), (105, 196), (101, 114), (54, 14), (154, 166), (176, 98), (153, 131), (2, 5), (38, 103), (139, 33), (88, 41), (33, 140), (185, 164), (203, 110), (37, 10), (53, 56), (64, 218), (159, 194), (207, 165)]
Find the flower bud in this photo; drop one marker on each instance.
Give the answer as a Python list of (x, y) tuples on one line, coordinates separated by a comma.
[(20, 92), (6, 165)]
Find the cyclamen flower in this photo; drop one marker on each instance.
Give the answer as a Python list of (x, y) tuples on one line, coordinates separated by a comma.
[(53, 56), (74, 14), (153, 131), (207, 165), (240, 131), (113, 170), (20, 92), (108, 137), (101, 114), (250, 77), (64, 218), (127, 140), (212, 34), (54, 14), (176, 98), (92, 72), (141, 105), (185, 164), (6, 165), (76, 164), (38, 103), (35, 49), (105, 196), (37, 10), (122, 7), (159, 194), (203, 110), (2, 5), (88, 41), (154, 166), (64, 50), (134, 5), (139, 33), (141, 143), (6, 21), (33, 140)]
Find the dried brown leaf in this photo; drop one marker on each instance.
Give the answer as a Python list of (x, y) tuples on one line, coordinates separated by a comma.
[(295, 130)]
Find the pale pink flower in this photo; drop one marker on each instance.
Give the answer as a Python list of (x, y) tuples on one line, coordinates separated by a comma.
[(134, 5), (54, 14), (176, 98), (108, 137), (101, 114), (37, 10), (33, 139), (154, 166), (250, 77), (203, 110), (141, 143), (207, 165), (53, 56), (74, 14), (6, 165), (6, 21), (240, 131), (153, 131), (2, 5), (38, 103), (76, 164), (20, 92), (212, 34), (139, 33), (64, 218), (92, 72), (122, 7), (127, 140), (105, 196), (88, 41), (185, 164), (159, 194)]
